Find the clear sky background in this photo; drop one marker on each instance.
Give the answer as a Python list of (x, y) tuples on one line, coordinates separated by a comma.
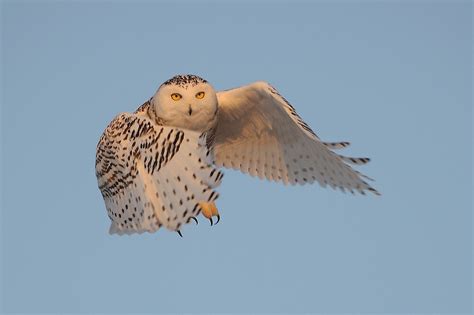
[(392, 77)]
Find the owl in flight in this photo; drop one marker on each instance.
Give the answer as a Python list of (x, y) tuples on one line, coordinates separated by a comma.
[(159, 166)]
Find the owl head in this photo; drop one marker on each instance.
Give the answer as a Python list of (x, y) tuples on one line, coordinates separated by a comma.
[(186, 101)]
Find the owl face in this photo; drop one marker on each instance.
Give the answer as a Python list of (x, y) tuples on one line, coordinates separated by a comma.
[(186, 101)]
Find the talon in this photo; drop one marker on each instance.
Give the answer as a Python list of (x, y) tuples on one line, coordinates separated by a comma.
[(209, 210), (179, 232), (195, 220)]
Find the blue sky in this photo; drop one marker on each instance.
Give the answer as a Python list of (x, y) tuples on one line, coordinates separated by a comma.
[(393, 78)]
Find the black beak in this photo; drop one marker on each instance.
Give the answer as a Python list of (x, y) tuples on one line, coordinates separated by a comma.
[(190, 111)]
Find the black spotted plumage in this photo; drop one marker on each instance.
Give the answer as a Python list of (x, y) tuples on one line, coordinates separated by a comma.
[(185, 80), (147, 176)]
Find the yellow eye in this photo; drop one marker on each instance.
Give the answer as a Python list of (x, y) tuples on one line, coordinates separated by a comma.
[(176, 96), (200, 95)]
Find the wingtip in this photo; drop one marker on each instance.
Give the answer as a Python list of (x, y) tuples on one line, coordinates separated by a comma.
[(374, 191)]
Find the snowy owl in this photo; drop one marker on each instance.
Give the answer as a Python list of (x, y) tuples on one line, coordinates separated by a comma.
[(159, 166)]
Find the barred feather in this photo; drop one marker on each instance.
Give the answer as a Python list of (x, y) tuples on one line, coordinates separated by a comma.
[(152, 176)]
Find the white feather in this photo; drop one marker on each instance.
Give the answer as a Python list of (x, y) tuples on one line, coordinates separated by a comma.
[(152, 175), (255, 121)]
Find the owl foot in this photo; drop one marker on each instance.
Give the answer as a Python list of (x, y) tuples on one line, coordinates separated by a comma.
[(209, 210)]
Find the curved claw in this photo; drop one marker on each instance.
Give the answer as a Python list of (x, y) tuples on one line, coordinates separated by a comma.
[(195, 220), (210, 219), (218, 218), (179, 232)]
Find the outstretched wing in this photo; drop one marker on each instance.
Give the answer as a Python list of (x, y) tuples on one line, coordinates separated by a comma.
[(261, 134), (153, 175)]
